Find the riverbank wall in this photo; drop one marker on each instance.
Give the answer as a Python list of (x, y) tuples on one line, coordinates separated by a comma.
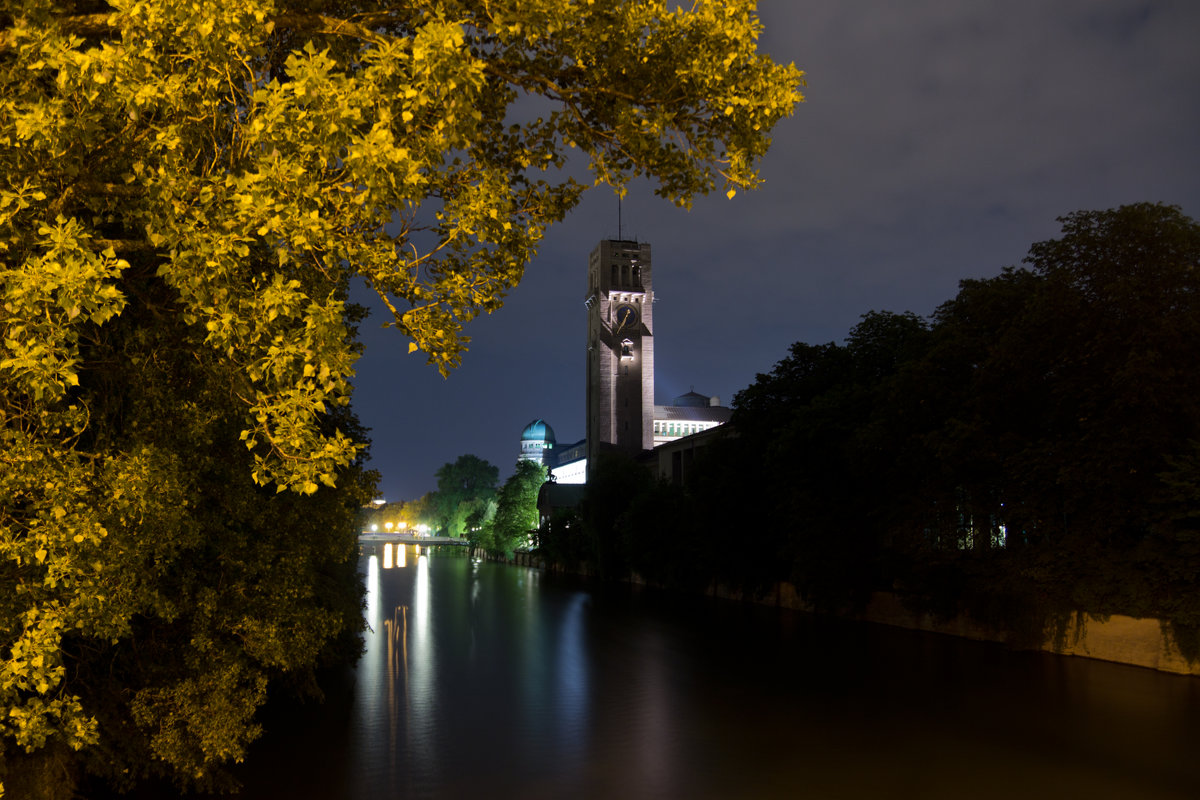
[(1121, 639)]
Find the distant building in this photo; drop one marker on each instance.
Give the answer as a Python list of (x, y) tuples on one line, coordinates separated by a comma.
[(537, 443), (620, 411), (620, 348), (673, 460), (688, 414), (570, 465), (553, 497)]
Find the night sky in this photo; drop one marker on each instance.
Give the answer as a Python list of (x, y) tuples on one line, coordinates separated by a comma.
[(938, 140)]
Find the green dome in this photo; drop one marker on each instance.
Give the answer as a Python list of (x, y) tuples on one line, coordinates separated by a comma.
[(538, 431)]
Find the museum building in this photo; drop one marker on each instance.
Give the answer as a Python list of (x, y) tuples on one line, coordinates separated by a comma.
[(620, 410)]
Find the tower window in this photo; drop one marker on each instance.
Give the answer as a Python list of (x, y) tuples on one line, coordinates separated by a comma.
[(627, 349)]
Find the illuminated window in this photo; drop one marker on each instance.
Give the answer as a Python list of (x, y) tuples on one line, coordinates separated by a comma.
[(1000, 536)]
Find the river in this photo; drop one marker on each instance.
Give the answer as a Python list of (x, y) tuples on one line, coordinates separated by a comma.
[(482, 680)]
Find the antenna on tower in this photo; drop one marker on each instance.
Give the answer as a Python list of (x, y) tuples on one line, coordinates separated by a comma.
[(620, 238)]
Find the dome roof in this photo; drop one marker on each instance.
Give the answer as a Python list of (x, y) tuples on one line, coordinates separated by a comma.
[(691, 400), (538, 431)]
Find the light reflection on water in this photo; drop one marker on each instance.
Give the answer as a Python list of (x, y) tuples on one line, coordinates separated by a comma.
[(481, 680)]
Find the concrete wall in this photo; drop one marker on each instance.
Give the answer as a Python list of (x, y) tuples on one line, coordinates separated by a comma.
[(1125, 640)]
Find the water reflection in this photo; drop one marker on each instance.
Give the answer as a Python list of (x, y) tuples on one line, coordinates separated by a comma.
[(421, 690), (571, 669), (372, 588), (481, 680), (400, 559)]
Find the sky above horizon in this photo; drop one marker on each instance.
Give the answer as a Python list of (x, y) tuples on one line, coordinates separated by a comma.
[(937, 142)]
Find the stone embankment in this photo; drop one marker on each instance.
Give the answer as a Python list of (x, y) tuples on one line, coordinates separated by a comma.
[(1121, 639), (1126, 640)]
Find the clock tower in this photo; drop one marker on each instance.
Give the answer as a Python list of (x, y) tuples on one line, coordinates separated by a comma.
[(620, 349)]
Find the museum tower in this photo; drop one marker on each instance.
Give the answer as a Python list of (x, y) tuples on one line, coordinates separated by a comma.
[(620, 349)]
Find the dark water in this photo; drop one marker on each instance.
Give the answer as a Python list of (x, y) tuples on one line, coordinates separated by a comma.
[(482, 680)]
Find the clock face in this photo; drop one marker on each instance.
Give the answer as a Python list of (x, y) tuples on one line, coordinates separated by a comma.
[(625, 317)]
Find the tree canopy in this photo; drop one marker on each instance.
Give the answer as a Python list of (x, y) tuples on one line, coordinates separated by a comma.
[(516, 515), (252, 154), (186, 190), (1033, 444), (465, 487)]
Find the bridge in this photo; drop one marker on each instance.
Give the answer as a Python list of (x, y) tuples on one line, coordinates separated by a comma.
[(408, 538)]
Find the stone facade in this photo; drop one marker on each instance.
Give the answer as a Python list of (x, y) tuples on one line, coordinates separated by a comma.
[(620, 348)]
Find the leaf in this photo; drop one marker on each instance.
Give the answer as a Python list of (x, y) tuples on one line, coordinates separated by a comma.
[(254, 192)]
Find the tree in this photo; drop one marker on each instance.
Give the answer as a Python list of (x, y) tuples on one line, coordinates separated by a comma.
[(1058, 406), (1121, 300), (464, 489), (186, 190), (615, 480), (823, 436), (516, 514), (420, 511)]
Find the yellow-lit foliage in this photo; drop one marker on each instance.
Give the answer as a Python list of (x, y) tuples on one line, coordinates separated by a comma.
[(187, 188)]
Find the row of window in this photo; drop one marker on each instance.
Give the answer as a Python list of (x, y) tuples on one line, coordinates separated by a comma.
[(626, 275), (663, 428)]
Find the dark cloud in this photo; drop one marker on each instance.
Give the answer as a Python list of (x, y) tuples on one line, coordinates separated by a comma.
[(938, 141)]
